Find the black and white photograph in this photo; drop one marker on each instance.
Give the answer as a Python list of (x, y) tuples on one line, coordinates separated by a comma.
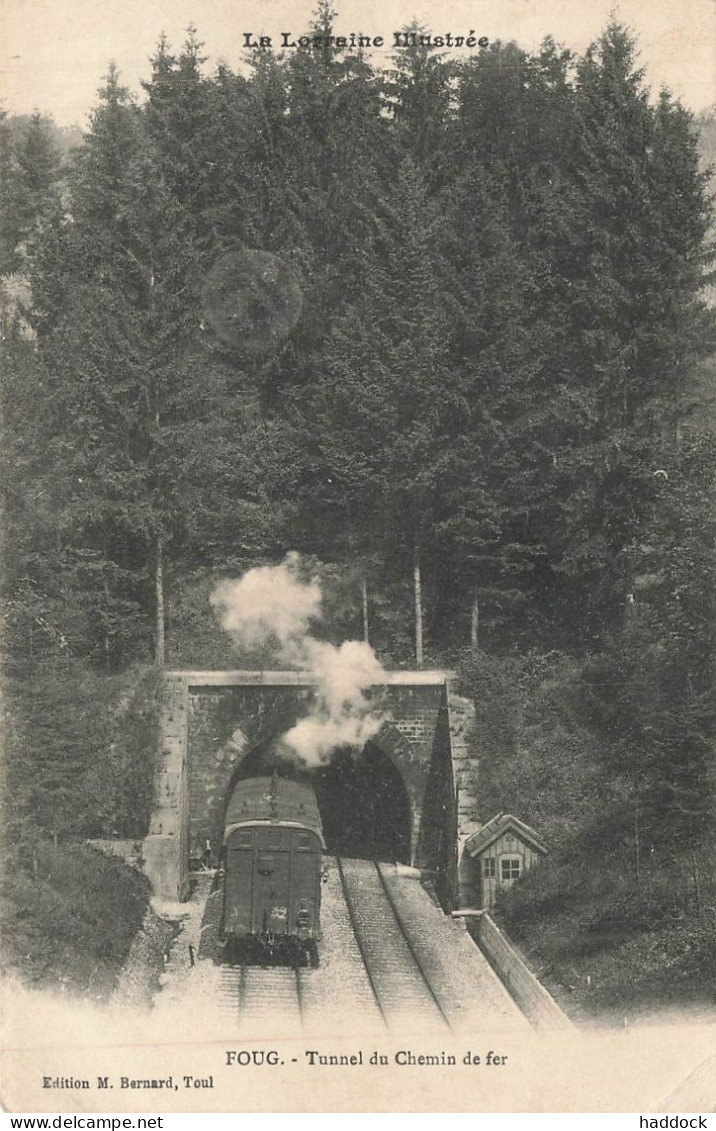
[(358, 630)]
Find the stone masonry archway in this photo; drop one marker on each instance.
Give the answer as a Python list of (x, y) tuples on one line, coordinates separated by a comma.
[(212, 722)]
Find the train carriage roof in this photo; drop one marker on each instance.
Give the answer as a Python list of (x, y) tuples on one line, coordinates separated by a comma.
[(271, 801)]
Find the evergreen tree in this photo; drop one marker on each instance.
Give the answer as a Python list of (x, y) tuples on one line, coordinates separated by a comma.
[(149, 416), (36, 190), (628, 267), (9, 234), (378, 403), (505, 208), (418, 93)]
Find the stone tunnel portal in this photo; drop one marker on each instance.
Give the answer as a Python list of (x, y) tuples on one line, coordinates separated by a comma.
[(362, 798), (393, 800)]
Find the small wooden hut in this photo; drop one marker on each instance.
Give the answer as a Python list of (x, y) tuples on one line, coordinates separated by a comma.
[(502, 851)]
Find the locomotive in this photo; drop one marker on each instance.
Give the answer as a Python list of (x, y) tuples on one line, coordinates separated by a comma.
[(272, 872)]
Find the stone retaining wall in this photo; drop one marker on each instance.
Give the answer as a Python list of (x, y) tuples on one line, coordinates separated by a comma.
[(165, 849), (538, 1006), (465, 770)]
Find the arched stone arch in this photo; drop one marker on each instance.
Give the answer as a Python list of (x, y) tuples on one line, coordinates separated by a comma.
[(225, 731), (397, 749), (229, 759), (213, 721)]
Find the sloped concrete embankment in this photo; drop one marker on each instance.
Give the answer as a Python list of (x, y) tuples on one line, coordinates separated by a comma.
[(538, 1006)]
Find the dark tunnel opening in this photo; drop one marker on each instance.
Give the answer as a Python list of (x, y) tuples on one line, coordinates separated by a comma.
[(361, 796), (364, 806)]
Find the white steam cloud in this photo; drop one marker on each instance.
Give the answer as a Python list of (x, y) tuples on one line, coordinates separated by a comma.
[(269, 605), (274, 605), (342, 715)]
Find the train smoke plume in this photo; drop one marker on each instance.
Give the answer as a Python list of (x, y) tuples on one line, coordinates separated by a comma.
[(342, 715), (275, 605), (270, 605)]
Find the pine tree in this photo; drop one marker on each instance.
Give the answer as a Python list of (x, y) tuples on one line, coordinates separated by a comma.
[(153, 427), (418, 94), (9, 233), (504, 210), (633, 314), (377, 402), (35, 192)]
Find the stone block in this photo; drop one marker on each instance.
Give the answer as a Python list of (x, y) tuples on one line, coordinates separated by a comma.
[(174, 727), (165, 820), (163, 867), (467, 801), (173, 747)]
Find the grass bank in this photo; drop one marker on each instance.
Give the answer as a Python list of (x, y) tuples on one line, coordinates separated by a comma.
[(69, 917)]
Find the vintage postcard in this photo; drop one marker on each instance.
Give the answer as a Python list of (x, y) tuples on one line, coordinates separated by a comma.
[(358, 598)]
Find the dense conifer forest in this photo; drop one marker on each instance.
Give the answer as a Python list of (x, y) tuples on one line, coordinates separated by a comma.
[(488, 430)]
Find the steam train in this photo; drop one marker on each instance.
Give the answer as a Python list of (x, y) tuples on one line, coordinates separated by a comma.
[(271, 863)]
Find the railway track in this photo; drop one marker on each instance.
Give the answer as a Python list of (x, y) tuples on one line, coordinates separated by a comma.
[(384, 962), (263, 999), (400, 985)]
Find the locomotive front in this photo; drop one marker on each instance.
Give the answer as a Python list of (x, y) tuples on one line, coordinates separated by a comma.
[(272, 846)]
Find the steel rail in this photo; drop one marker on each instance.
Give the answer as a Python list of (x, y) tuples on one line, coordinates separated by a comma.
[(409, 944), (359, 941)]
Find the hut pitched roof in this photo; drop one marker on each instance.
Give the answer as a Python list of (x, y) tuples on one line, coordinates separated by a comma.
[(497, 827)]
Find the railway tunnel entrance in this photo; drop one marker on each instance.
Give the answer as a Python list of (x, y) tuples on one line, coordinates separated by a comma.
[(361, 796), (364, 806), (394, 800)]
